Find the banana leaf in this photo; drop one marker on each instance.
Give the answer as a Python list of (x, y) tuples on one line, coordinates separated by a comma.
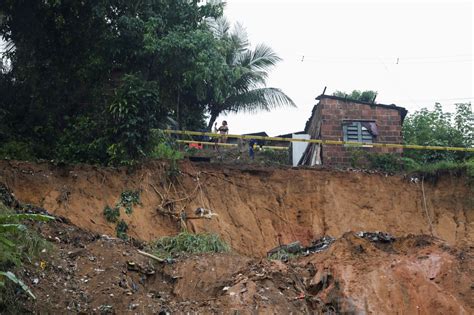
[(9, 275)]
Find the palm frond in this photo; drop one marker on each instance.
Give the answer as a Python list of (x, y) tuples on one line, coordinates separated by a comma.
[(220, 27), (261, 58), (249, 80), (239, 37), (258, 99)]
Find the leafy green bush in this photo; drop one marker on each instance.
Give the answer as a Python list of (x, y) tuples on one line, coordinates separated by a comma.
[(121, 230), (438, 128), (111, 214), (17, 150), (358, 157), (435, 169), (164, 147), (270, 156), (166, 152), (83, 141), (128, 199), (409, 164), (385, 162), (185, 242)]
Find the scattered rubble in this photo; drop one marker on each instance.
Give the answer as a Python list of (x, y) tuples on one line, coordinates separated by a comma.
[(376, 236), (282, 252)]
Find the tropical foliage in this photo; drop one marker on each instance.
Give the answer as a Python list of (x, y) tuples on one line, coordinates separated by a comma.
[(17, 244), (249, 68), (86, 81), (437, 128)]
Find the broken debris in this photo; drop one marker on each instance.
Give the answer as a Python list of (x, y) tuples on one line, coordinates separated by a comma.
[(381, 237)]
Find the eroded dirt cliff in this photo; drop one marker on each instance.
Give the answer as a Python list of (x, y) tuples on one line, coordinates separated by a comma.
[(253, 205), (90, 271)]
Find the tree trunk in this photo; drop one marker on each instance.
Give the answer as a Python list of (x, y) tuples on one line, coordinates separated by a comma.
[(212, 120)]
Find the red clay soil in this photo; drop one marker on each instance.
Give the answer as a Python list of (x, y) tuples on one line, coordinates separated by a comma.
[(90, 272), (254, 206)]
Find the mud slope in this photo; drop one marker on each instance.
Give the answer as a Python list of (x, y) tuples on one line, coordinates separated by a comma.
[(89, 274), (254, 206)]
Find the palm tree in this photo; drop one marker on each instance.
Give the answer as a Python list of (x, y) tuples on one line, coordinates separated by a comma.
[(248, 92)]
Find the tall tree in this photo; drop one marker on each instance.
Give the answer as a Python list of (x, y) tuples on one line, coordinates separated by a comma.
[(88, 79), (247, 90)]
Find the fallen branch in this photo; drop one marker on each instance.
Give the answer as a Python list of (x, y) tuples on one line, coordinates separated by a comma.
[(151, 256)]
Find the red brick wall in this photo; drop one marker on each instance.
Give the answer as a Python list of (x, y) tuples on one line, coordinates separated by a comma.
[(334, 112)]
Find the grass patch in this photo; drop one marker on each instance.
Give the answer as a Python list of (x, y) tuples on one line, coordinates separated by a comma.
[(172, 246), (445, 167), (283, 255)]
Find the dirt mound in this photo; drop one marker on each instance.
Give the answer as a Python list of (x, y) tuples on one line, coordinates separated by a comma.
[(88, 273), (257, 208)]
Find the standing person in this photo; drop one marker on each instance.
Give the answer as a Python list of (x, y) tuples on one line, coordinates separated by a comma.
[(252, 147), (223, 130)]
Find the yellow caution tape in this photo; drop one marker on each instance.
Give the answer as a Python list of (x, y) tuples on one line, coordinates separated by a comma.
[(321, 141)]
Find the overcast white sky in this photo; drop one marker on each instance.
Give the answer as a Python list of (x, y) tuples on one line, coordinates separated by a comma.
[(351, 45)]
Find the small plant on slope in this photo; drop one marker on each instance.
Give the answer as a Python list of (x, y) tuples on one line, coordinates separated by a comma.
[(185, 242), (17, 243)]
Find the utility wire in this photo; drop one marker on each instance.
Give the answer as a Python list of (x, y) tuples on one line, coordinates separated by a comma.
[(392, 59)]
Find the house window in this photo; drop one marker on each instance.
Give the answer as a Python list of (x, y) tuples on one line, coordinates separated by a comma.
[(359, 131)]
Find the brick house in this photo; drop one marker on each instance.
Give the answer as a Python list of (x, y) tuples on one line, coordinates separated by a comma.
[(339, 118)]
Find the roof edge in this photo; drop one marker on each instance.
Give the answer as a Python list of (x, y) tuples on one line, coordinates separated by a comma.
[(403, 111)]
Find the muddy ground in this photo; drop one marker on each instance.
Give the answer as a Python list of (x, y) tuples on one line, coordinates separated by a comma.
[(90, 271)]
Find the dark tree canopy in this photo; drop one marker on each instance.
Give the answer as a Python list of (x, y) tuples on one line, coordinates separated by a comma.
[(86, 81)]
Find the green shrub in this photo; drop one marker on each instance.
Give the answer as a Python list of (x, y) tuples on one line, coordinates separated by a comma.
[(358, 157), (385, 162), (83, 141), (111, 214), (164, 147), (435, 169), (17, 244), (409, 164), (270, 156), (470, 169), (16, 150), (185, 242), (121, 230), (128, 199), (165, 151)]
